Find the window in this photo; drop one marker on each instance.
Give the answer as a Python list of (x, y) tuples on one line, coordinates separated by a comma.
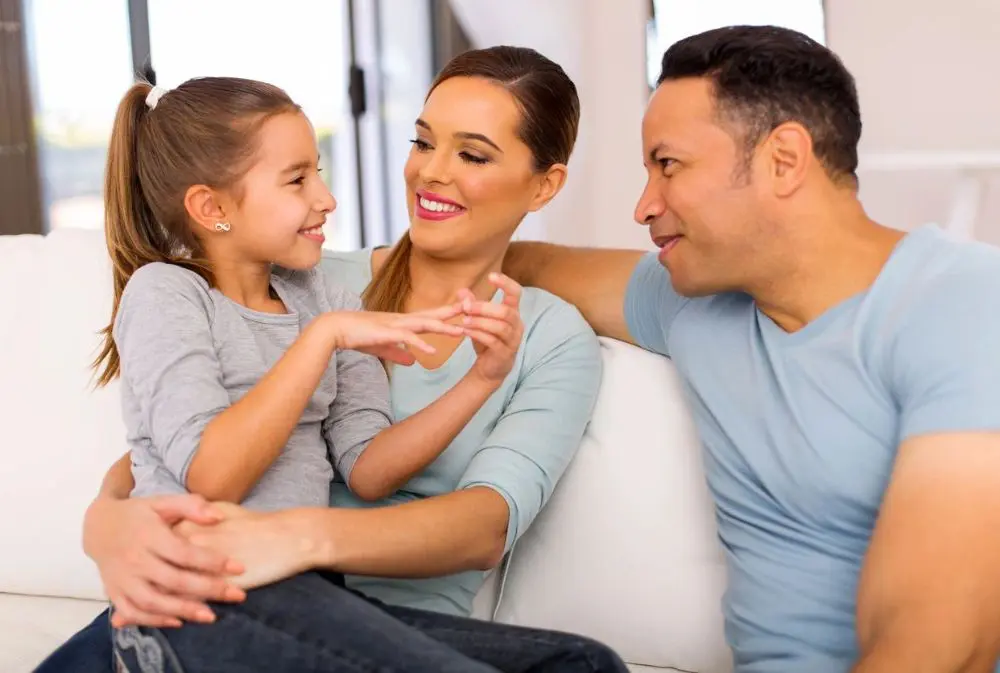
[(673, 20), (359, 68), (77, 81)]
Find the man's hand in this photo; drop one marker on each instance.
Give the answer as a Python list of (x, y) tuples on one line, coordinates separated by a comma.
[(929, 597), (270, 546), (153, 576)]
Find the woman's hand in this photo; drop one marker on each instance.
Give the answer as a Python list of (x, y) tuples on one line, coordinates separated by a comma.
[(153, 576), (496, 329), (271, 546), (386, 335)]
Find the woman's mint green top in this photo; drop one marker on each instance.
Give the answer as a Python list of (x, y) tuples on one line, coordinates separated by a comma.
[(518, 444)]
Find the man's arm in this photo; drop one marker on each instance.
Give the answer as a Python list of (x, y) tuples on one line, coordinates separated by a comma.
[(929, 597), (592, 279)]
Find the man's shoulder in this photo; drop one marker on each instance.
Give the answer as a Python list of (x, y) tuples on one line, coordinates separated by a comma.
[(944, 281)]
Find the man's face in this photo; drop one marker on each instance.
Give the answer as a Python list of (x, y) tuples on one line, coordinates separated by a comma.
[(701, 203)]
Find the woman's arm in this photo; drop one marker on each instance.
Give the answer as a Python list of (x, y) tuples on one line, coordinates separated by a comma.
[(133, 543), (504, 487), (401, 451)]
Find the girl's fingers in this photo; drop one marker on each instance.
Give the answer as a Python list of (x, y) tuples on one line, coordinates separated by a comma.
[(422, 324), (401, 336), (491, 310), (446, 312), (485, 338), (497, 328)]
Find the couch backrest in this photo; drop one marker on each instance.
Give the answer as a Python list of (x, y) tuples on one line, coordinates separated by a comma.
[(625, 552)]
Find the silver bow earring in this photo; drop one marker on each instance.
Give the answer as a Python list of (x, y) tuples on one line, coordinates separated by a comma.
[(222, 226)]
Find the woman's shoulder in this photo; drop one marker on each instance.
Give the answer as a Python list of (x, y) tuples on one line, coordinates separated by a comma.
[(551, 323), (351, 270)]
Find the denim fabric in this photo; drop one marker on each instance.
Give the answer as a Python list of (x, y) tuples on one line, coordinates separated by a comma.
[(311, 624)]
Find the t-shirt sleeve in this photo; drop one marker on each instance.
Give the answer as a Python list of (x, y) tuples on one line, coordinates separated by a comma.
[(651, 305), (361, 408), (945, 360), (541, 428), (168, 361)]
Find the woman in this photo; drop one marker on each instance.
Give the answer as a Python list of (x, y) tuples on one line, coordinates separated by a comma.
[(491, 145)]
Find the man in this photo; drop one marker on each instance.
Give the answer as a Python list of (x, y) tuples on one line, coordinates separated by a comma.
[(845, 377)]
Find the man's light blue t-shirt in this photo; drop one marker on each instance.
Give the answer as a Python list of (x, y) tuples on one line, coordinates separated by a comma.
[(800, 430), (519, 443)]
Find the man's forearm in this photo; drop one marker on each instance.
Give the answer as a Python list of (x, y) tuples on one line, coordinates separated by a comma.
[(592, 279), (436, 536)]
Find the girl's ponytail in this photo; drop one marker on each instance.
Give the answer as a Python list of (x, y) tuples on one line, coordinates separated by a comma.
[(132, 235)]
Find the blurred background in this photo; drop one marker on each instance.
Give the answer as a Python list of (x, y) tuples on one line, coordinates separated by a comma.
[(360, 68)]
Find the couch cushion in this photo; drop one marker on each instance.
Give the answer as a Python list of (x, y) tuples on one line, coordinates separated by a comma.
[(57, 439), (626, 551), (31, 628)]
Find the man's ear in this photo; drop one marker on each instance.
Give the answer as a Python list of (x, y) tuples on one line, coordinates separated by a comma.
[(549, 185), (789, 152), (204, 206)]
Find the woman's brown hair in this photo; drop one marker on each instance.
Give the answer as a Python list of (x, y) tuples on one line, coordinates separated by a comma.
[(550, 116), (204, 132)]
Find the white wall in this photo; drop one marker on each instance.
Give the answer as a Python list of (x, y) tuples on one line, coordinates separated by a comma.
[(601, 45), (925, 77), (926, 80)]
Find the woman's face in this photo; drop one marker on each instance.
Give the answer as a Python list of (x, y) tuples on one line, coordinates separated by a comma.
[(470, 180)]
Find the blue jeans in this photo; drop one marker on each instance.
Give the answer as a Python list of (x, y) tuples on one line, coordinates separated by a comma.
[(308, 624)]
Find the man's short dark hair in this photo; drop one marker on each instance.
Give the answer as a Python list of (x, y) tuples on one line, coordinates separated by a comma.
[(764, 76)]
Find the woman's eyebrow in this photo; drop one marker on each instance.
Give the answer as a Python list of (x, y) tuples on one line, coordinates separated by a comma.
[(465, 135)]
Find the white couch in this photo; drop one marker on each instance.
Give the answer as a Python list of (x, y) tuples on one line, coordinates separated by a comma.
[(626, 552)]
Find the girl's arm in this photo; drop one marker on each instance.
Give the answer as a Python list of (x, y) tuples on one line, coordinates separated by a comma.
[(216, 448)]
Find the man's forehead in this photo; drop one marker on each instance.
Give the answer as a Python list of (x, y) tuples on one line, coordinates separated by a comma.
[(679, 109)]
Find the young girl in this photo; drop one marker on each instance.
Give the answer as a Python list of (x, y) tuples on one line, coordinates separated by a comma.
[(247, 377)]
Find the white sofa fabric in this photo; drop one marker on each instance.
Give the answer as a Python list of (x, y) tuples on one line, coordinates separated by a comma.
[(626, 552)]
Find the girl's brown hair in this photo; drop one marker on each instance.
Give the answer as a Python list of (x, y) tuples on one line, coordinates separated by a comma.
[(550, 116), (202, 132)]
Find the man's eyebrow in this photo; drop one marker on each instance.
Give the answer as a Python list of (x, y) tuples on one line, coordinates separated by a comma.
[(465, 135)]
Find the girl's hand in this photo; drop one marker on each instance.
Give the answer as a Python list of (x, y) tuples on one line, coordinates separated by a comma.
[(496, 329), (270, 546), (153, 576), (386, 335)]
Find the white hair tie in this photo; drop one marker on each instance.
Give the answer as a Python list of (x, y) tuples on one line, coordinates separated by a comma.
[(154, 96)]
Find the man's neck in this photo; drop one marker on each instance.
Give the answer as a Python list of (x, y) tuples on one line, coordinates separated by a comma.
[(839, 255), (434, 282)]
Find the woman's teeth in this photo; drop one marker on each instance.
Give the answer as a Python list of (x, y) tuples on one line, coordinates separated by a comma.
[(313, 231), (438, 207)]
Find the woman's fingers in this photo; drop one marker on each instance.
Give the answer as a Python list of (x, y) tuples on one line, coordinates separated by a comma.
[(490, 310), (511, 289), (177, 550), (181, 582), (125, 613), (152, 599)]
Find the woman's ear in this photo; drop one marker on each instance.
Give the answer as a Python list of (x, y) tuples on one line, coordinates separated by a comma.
[(549, 184), (204, 207)]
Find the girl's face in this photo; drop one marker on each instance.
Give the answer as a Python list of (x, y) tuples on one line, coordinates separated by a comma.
[(279, 207), (470, 180)]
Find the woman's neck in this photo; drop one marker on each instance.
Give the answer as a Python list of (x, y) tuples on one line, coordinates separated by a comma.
[(435, 282)]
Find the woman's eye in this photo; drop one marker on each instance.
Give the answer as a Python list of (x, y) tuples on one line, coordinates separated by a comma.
[(422, 146), (473, 159)]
